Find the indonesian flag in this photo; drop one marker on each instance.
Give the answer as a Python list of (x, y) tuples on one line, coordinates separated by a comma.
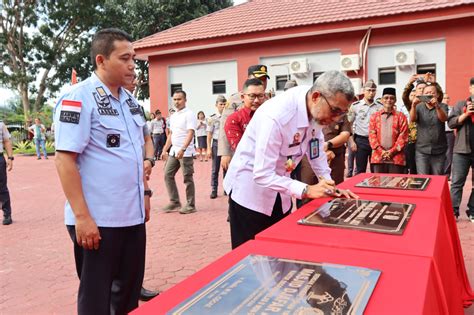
[(71, 106), (73, 76)]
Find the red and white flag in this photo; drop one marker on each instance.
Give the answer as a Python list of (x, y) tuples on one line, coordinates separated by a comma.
[(73, 76), (71, 106)]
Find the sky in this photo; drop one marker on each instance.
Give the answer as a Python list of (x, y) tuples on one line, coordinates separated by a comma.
[(6, 94)]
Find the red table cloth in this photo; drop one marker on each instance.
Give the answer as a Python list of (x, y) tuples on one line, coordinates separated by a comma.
[(438, 189), (407, 284), (427, 234)]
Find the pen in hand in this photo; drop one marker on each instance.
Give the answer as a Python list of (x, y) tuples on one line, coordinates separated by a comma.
[(331, 192)]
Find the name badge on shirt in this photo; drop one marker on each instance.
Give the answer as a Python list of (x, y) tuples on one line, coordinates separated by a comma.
[(296, 140), (134, 108), (313, 148)]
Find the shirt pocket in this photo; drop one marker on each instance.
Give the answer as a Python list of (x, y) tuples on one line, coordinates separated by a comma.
[(292, 152), (139, 121), (111, 123)]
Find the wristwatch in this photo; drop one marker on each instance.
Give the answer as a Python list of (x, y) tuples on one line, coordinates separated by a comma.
[(330, 145), (11, 158), (148, 192), (152, 161), (305, 192)]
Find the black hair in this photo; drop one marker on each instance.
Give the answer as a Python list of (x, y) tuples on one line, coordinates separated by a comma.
[(253, 81), (180, 91), (103, 42), (471, 82)]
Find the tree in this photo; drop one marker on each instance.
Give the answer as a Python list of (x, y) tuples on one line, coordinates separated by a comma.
[(142, 18), (36, 38), (42, 40)]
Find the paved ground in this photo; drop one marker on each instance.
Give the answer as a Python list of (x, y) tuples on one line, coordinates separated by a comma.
[(37, 274)]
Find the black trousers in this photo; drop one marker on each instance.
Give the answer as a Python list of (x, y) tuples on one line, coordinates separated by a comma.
[(110, 277), (216, 165), (246, 223), (363, 153), (388, 168), (410, 150), (4, 193)]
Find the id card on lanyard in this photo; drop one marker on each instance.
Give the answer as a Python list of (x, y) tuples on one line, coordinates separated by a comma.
[(313, 148)]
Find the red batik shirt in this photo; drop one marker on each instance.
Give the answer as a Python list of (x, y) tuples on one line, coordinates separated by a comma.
[(399, 137), (235, 125)]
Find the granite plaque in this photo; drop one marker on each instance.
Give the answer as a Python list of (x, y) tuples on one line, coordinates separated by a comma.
[(368, 215), (269, 285), (395, 182)]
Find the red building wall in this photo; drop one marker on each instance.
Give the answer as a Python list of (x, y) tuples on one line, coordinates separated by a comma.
[(459, 53)]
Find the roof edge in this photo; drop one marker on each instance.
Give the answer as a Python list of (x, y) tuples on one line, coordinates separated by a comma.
[(303, 34)]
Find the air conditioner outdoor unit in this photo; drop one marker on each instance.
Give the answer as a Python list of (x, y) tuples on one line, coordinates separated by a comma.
[(350, 62), (299, 66), (405, 57), (357, 84)]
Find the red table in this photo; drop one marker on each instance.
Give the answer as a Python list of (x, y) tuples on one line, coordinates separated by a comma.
[(426, 235), (407, 285), (438, 189)]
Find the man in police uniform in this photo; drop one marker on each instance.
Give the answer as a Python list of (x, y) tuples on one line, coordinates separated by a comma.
[(235, 103), (213, 127), (99, 139), (283, 130), (5, 145), (359, 115)]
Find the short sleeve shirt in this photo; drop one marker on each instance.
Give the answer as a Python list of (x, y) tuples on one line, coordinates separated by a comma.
[(180, 123), (213, 125), (334, 129), (360, 113), (431, 134), (4, 135), (107, 135)]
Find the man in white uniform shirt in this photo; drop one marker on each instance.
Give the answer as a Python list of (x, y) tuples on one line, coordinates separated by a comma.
[(281, 132), (182, 126)]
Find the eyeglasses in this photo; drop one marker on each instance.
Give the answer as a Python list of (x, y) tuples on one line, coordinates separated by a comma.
[(335, 111), (254, 96)]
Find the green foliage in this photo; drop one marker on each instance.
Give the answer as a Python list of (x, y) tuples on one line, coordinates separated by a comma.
[(42, 40), (49, 146), (28, 147), (22, 146)]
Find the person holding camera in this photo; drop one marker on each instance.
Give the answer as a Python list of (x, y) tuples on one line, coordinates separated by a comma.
[(462, 120), (430, 116)]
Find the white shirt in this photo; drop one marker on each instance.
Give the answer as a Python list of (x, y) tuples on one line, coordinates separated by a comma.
[(258, 169), (180, 123)]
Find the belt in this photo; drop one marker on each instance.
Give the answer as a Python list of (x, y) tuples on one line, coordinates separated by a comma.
[(359, 136), (449, 131), (158, 133)]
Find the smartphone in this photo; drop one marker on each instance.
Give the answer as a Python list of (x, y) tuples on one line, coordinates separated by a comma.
[(425, 98)]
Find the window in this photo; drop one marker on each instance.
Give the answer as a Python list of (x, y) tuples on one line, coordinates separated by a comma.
[(281, 81), (175, 87), (218, 87), (387, 76), (422, 69), (316, 75)]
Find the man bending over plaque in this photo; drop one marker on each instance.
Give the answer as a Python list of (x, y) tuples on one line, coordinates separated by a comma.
[(283, 130)]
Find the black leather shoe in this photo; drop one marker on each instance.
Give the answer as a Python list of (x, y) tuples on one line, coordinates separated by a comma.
[(147, 295), (213, 194), (7, 220)]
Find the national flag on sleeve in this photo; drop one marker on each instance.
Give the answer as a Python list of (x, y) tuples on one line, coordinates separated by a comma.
[(73, 76), (71, 106)]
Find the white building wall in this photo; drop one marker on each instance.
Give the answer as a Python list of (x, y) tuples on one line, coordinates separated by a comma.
[(196, 80), (426, 53), (318, 62)]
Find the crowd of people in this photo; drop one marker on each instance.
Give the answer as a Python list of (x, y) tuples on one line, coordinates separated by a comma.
[(292, 146)]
